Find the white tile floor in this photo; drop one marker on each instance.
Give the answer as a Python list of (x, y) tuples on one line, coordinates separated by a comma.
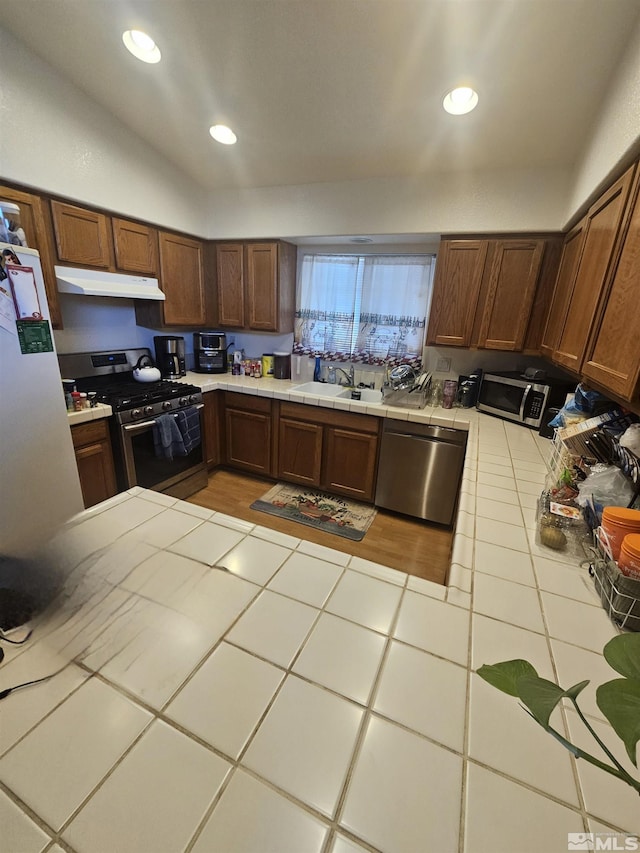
[(228, 688)]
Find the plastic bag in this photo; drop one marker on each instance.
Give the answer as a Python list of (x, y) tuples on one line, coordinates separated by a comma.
[(608, 486), (631, 439), (581, 405)]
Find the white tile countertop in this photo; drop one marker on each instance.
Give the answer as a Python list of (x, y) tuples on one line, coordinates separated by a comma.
[(97, 412), (285, 389), (228, 688)]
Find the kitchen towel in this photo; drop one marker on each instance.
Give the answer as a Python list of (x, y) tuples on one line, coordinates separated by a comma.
[(188, 421), (167, 437)]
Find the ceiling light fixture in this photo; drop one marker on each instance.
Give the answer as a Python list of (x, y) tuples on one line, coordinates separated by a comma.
[(141, 46), (222, 133), (460, 101)]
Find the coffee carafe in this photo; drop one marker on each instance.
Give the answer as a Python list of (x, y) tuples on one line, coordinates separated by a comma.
[(170, 356)]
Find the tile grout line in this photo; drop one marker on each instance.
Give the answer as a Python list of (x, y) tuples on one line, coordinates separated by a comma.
[(367, 714)]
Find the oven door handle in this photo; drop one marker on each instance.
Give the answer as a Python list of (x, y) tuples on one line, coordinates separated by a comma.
[(139, 425), (525, 397)]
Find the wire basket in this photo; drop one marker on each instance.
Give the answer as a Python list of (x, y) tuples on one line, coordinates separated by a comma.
[(620, 595), (559, 459)]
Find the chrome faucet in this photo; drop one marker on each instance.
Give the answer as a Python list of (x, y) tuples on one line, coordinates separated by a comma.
[(350, 383)]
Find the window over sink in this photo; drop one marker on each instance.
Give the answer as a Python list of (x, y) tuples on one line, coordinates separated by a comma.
[(370, 309)]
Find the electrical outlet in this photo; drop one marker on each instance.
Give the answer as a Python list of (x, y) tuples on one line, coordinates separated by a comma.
[(443, 365)]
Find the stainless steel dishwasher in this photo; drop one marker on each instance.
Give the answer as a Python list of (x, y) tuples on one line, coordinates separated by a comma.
[(420, 469)]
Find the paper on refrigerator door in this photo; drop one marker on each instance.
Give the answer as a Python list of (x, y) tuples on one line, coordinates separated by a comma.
[(7, 311), (25, 292)]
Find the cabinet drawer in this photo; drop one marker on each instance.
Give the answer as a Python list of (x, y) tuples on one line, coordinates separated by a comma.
[(330, 417), (247, 402), (90, 432)]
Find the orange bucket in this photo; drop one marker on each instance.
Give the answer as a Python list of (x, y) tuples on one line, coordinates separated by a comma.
[(629, 561), (617, 522)]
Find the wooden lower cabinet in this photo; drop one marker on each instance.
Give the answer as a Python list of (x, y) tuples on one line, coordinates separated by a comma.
[(333, 450), (248, 434), (300, 451), (350, 463), (212, 427), (95, 461)]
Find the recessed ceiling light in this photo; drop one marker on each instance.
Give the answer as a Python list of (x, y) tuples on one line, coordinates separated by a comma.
[(460, 101), (141, 46), (222, 133)]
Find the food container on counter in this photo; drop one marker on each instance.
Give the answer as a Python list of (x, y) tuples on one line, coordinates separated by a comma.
[(629, 559), (282, 365), (449, 393), (267, 364), (617, 522)]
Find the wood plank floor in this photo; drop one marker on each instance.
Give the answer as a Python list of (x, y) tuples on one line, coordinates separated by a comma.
[(413, 546)]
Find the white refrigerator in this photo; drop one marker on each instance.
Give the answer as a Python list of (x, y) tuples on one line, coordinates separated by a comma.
[(39, 484)]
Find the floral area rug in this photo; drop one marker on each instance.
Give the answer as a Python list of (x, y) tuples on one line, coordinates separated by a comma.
[(318, 509)]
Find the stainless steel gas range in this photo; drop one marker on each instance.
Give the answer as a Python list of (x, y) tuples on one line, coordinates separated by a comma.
[(139, 409)]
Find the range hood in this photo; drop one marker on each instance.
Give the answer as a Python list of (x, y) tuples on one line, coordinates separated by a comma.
[(98, 283)]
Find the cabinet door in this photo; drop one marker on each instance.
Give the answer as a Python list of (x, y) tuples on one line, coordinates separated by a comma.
[(230, 270), (82, 236), (136, 247), (248, 441), (613, 357), (95, 461), (459, 269), (603, 228), (350, 463), (300, 452), (567, 272), (182, 280), (262, 286), (511, 288), (211, 422), (32, 221)]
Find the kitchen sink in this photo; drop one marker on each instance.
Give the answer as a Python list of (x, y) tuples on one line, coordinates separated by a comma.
[(319, 389), (367, 395)]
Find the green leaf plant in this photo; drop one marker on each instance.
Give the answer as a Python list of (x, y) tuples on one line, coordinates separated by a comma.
[(619, 700)]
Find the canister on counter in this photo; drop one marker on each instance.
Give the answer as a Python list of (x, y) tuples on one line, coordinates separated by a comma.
[(68, 386), (267, 364), (629, 559)]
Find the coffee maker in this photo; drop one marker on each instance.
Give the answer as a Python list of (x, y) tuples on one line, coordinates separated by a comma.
[(170, 356), (210, 352)]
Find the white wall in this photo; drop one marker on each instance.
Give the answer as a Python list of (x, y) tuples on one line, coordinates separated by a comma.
[(504, 200), (616, 131), (54, 138)]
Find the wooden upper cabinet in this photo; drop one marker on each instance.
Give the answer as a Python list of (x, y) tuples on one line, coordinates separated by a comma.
[(82, 236), (33, 220), (567, 271), (230, 272), (459, 270), (182, 279), (613, 354), (256, 285), (136, 247), (512, 279), (262, 286), (602, 238)]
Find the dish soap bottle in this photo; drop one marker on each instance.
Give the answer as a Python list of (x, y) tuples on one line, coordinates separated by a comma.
[(317, 369)]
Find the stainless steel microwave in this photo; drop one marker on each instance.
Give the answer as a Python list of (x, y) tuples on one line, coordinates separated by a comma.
[(512, 396)]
